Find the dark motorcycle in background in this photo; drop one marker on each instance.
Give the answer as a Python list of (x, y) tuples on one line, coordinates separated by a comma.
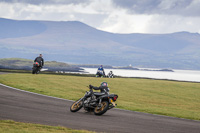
[(36, 68), (95, 101)]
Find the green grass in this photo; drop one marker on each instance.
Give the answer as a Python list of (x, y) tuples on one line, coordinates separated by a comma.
[(8, 126), (28, 62), (15, 71), (171, 98), (16, 62)]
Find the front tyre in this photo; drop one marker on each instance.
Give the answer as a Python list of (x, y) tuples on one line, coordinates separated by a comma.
[(101, 110), (76, 106), (34, 70)]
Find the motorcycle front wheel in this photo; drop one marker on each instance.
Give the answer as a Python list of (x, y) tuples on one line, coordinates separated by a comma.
[(34, 70), (102, 109), (76, 106)]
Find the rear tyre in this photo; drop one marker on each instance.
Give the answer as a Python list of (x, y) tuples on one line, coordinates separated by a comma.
[(76, 106), (101, 110)]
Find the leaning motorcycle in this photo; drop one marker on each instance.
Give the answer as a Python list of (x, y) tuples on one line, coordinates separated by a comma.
[(36, 68), (95, 101)]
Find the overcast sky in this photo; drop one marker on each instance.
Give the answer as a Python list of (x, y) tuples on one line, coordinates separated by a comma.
[(118, 16)]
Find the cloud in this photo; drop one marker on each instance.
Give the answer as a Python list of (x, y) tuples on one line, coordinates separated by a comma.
[(120, 22), (169, 7), (92, 13), (118, 16), (59, 12), (46, 2), (172, 23)]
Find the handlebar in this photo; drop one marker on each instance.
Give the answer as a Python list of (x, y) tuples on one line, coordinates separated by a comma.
[(90, 87)]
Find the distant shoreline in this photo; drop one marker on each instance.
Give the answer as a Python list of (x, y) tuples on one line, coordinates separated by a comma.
[(146, 69)]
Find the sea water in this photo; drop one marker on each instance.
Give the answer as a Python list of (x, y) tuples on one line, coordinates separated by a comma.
[(180, 75)]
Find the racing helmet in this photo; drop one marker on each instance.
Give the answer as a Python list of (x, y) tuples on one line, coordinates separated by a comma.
[(104, 84)]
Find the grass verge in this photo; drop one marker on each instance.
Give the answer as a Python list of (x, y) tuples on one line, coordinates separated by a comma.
[(171, 98), (9, 126)]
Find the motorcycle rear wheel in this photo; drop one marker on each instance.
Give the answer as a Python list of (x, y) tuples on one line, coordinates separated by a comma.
[(101, 110), (76, 106)]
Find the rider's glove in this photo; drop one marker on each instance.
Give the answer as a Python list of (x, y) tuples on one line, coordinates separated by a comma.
[(90, 86)]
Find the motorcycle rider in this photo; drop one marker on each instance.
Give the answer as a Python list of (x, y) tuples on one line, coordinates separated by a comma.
[(40, 60), (110, 74), (100, 71), (103, 88)]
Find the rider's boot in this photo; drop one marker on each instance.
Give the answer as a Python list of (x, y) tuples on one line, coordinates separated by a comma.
[(99, 105)]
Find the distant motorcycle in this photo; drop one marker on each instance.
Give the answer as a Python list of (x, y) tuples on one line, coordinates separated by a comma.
[(95, 101), (36, 68), (110, 75), (100, 74)]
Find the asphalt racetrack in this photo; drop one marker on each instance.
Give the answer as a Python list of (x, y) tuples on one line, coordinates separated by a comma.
[(29, 107)]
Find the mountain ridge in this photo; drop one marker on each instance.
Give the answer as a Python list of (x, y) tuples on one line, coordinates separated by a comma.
[(76, 42)]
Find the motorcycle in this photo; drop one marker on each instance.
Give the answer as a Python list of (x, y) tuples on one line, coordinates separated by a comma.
[(36, 68), (95, 101), (110, 75), (100, 74)]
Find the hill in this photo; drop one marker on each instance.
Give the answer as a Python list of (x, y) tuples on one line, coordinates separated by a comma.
[(26, 64), (76, 42)]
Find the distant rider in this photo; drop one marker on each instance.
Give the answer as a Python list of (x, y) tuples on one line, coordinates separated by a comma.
[(100, 71), (40, 60), (110, 74)]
